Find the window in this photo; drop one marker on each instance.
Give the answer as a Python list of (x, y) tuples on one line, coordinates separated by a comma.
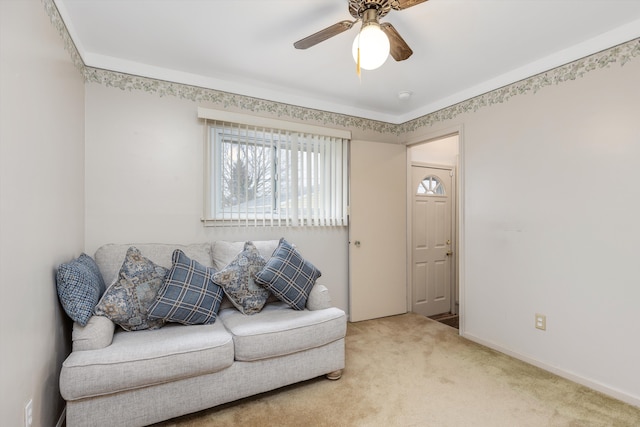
[(268, 176), (431, 186)]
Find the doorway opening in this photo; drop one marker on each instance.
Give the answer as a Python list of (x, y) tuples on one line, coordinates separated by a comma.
[(433, 283)]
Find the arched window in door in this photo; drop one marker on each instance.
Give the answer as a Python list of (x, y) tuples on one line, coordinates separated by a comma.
[(431, 186)]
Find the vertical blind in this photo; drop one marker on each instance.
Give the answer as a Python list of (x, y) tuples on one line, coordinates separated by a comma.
[(266, 176)]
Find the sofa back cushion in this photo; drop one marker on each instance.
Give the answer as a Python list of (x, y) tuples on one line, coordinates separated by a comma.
[(224, 252), (110, 257)]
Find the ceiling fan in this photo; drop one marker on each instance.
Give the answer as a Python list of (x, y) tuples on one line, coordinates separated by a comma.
[(369, 12)]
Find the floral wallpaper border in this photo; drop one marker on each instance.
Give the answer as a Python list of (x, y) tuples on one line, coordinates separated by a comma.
[(621, 54)]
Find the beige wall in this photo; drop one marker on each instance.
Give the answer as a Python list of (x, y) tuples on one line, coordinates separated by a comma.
[(551, 208), (144, 183), (41, 207), (442, 151)]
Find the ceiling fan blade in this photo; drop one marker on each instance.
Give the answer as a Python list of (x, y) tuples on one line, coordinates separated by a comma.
[(400, 50), (323, 35), (404, 4)]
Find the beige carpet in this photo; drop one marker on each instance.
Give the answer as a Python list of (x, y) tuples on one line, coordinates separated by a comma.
[(412, 371)]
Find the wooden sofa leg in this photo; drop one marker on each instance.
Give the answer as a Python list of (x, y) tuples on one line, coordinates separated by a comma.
[(335, 375)]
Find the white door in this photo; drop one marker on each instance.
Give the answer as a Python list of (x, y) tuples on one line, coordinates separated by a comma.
[(431, 237), (377, 230)]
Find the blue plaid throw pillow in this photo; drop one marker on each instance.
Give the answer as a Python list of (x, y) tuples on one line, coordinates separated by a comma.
[(80, 286), (188, 295), (289, 276)]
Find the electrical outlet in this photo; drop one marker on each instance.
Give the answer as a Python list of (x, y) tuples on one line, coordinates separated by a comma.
[(28, 414), (541, 322)]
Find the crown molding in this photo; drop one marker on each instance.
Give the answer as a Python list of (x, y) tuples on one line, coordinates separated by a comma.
[(621, 54)]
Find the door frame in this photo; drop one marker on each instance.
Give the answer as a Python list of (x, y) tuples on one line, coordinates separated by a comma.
[(453, 294), (459, 215)]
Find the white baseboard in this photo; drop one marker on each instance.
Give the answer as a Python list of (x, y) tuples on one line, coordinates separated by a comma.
[(63, 417), (594, 385)]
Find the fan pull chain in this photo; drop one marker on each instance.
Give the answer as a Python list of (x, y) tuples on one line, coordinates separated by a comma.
[(358, 70)]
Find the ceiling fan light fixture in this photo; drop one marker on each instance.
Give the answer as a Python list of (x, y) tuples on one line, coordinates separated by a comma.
[(373, 44)]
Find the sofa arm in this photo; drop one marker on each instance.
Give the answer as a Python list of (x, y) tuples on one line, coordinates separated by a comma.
[(98, 333), (319, 298)]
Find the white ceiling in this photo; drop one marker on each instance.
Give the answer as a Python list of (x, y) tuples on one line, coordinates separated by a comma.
[(462, 48)]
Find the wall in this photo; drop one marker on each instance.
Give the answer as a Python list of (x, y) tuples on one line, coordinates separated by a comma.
[(144, 183), (41, 207), (442, 152), (551, 207)]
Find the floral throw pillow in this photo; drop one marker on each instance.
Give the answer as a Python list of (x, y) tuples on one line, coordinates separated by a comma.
[(237, 280), (127, 300)]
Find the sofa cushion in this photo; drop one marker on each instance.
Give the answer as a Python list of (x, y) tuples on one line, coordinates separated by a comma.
[(279, 330), (289, 276), (188, 295), (80, 286), (110, 257), (142, 358), (126, 302), (224, 252), (237, 280)]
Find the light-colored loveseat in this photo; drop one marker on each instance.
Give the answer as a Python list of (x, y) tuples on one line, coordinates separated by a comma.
[(119, 378)]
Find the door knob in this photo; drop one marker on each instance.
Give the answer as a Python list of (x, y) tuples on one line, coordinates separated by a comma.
[(449, 253)]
